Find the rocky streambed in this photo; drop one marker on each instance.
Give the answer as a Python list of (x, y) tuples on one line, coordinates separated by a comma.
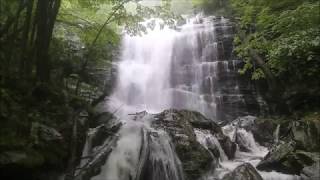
[(185, 145)]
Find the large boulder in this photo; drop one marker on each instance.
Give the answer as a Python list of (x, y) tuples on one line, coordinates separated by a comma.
[(243, 172), (102, 132), (28, 159), (45, 148), (312, 172), (307, 135), (195, 159), (273, 160), (227, 145), (287, 159), (263, 130), (99, 143), (45, 133), (15, 164)]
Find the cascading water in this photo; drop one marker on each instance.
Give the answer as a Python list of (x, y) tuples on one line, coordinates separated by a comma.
[(253, 154), (169, 69), (144, 71), (186, 68)]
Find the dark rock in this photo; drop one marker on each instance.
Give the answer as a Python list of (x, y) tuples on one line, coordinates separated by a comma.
[(235, 95), (243, 172), (48, 143), (18, 164), (100, 141), (28, 164), (195, 159), (273, 160), (313, 171), (285, 158), (28, 159), (214, 149), (101, 133), (307, 135), (167, 166), (263, 130), (99, 118), (96, 160), (246, 121), (227, 145), (197, 120), (44, 132)]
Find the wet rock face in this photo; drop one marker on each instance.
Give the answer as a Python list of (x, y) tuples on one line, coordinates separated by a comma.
[(169, 148), (287, 159), (195, 159), (212, 69), (262, 130), (312, 172), (273, 160), (307, 135), (227, 145), (243, 172), (45, 133), (99, 143), (297, 150)]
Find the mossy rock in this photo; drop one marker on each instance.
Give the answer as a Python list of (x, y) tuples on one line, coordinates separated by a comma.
[(243, 172), (307, 135), (19, 158), (195, 159)]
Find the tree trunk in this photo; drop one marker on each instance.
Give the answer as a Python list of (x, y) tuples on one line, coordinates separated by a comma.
[(25, 39), (266, 70), (47, 13)]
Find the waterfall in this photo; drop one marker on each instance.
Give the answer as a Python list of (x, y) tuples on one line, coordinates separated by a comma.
[(162, 69), (189, 67), (124, 158), (205, 138), (144, 72), (170, 69), (162, 162)]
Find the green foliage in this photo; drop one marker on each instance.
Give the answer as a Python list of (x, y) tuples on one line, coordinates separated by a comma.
[(87, 35), (215, 7), (85, 39), (285, 33), (8, 9)]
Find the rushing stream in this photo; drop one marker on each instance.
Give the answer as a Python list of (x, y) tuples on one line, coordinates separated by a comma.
[(174, 68)]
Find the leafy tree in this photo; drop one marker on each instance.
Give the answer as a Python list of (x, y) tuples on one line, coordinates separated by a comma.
[(279, 42)]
